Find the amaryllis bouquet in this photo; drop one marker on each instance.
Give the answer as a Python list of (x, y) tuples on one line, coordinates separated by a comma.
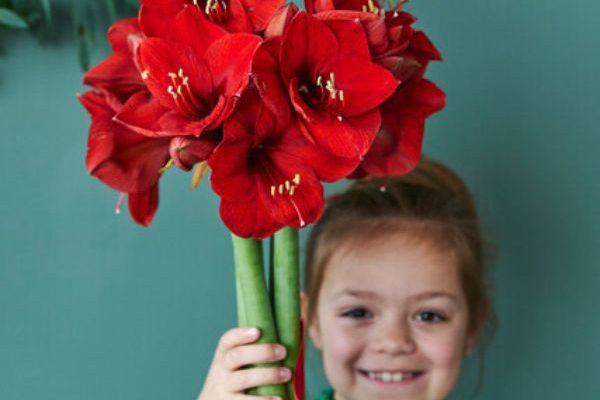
[(274, 101)]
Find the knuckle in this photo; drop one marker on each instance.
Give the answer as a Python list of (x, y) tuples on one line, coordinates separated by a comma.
[(231, 357)]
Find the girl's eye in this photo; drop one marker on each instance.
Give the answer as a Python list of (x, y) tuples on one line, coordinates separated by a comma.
[(356, 313), (431, 317)]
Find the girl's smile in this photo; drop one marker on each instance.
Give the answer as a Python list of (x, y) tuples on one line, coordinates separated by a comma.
[(392, 320)]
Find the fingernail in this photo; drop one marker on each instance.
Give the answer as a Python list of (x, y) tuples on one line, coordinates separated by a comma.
[(252, 332), (285, 374), (280, 351)]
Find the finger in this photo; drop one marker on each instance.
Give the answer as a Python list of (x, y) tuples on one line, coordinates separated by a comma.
[(241, 356), (249, 378), (249, 397), (237, 337)]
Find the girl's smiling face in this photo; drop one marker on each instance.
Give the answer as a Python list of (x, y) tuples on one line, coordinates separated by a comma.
[(391, 321)]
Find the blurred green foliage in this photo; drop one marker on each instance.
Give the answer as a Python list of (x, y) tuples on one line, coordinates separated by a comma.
[(45, 19)]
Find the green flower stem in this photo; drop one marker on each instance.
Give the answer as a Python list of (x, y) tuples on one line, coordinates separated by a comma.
[(286, 292), (241, 308), (256, 309)]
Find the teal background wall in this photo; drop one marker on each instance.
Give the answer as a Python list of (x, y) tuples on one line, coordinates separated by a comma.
[(93, 307)]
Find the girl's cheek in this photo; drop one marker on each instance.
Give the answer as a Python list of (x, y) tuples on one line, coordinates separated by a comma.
[(445, 351), (340, 341)]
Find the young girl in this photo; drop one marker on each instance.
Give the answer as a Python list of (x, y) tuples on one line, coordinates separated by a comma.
[(395, 294)]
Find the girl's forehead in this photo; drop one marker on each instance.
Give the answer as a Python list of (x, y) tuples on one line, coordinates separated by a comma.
[(393, 265)]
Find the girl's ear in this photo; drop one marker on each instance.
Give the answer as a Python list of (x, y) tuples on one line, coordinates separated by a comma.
[(313, 329)]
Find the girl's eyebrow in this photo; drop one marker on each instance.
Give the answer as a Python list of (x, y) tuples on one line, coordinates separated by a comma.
[(365, 294), (433, 295)]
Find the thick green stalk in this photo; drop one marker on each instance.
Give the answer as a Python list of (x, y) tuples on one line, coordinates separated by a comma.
[(286, 292), (256, 309), (241, 308)]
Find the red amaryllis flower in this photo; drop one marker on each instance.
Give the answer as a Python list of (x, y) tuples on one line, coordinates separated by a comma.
[(124, 160), (118, 75), (332, 83), (156, 16), (267, 173), (132, 163), (195, 77), (397, 148), (393, 42)]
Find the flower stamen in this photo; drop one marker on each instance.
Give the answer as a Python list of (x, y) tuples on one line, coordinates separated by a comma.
[(120, 203), (216, 10), (182, 94), (288, 186), (333, 96), (168, 165), (372, 8)]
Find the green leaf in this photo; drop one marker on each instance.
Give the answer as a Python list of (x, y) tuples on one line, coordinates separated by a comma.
[(11, 19), (112, 9), (47, 10)]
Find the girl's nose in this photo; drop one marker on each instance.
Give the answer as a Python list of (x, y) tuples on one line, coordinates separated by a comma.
[(394, 339)]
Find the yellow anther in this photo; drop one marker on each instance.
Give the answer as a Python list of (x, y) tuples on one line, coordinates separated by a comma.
[(340, 118), (180, 73), (319, 80), (171, 91), (145, 74), (288, 186), (172, 75), (199, 173), (168, 165)]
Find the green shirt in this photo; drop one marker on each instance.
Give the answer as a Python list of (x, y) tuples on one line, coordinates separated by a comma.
[(327, 395)]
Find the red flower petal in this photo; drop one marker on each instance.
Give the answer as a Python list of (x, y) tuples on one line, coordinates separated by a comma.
[(229, 60), (351, 37), (267, 77), (421, 44), (300, 53), (365, 85), (261, 11), (117, 75), (348, 137), (193, 29), (237, 19), (143, 205), (122, 159), (123, 35), (168, 66), (141, 114), (280, 20), (327, 167), (397, 147), (260, 174), (156, 15)]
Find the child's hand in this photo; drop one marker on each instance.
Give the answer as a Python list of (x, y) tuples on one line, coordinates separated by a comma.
[(226, 380)]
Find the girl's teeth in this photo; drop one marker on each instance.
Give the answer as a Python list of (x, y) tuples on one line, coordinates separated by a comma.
[(389, 377)]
